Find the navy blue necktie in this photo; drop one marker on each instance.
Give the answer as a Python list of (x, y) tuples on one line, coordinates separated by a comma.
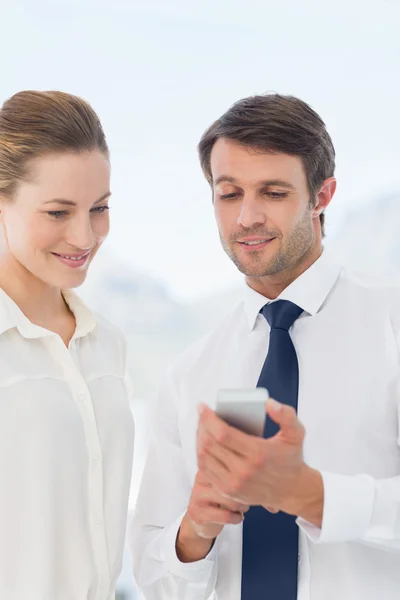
[(271, 541)]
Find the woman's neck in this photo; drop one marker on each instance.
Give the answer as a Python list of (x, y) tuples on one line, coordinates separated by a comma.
[(40, 302)]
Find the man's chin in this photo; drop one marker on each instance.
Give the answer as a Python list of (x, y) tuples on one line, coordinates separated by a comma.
[(256, 274), (254, 270), (261, 263)]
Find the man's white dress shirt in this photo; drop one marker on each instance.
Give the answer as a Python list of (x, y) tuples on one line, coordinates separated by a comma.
[(347, 343), (66, 444)]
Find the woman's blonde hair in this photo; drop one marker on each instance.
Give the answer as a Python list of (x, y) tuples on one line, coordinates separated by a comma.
[(33, 124)]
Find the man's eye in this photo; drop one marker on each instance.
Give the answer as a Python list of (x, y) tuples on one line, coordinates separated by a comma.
[(228, 196), (277, 195)]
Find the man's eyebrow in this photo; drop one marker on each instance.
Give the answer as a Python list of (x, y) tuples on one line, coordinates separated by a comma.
[(264, 183), (224, 179), (278, 183), (65, 202)]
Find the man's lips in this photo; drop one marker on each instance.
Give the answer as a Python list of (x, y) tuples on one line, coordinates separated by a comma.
[(254, 242)]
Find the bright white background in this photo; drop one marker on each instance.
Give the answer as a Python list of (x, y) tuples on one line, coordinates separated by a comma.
[(158, 73)]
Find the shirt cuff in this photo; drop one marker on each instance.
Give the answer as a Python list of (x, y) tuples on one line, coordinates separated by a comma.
[(199, 571), (348, 507)]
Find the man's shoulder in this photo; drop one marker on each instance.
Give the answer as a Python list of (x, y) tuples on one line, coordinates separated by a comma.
[(202, 351), (371, 284), (373, 295)]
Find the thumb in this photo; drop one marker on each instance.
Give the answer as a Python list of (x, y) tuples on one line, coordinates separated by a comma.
[(285, 416)]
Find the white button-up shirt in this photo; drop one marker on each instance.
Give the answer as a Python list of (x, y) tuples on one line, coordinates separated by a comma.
[(347, 343), (66, 444)]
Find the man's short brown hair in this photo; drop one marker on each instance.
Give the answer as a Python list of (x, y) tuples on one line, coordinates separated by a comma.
[(276, 123)]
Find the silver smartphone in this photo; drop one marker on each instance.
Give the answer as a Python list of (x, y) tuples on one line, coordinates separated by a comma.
[(244, 409)]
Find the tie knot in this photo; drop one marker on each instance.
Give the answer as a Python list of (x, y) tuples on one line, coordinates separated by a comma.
[(281, 314)]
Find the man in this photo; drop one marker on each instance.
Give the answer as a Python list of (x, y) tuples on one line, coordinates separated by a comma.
[(323, 487)]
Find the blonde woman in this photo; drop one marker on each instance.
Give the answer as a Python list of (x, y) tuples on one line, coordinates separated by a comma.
[(66, 432)]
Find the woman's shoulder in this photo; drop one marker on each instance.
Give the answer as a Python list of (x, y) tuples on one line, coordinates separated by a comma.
[(108, 332), (106, 346)]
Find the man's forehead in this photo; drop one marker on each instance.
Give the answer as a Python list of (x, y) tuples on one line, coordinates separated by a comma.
[(236, 164)]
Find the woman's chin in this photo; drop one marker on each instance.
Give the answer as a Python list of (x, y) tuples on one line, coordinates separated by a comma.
[(67, 282)]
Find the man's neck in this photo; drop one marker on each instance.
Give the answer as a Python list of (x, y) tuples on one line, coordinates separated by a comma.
[(271, 286)]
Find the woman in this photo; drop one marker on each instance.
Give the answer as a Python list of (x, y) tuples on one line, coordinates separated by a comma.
[(66, 432)]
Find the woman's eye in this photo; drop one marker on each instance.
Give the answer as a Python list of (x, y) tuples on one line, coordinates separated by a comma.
[(57, 214), (100, 209)]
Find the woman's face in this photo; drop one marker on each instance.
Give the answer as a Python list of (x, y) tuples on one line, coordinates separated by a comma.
[(58, 219)]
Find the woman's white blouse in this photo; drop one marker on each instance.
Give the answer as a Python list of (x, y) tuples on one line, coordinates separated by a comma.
[(66, 445)]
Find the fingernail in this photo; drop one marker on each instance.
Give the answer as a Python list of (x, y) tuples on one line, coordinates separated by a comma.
[(200, 409), (276, 406)]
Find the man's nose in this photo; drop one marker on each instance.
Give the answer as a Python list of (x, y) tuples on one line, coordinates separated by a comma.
[(251, 211)]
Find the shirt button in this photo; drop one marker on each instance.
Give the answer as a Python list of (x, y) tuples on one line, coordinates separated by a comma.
[(82, 397), (96, 456), (98, 520)]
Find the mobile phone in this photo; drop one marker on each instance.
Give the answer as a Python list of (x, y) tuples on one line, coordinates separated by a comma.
[(244, 409)]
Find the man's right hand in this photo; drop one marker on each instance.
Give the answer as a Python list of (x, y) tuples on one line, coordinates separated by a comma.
[(207, 514)]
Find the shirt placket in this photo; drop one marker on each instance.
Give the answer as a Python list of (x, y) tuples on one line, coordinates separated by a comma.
[(81, 394)]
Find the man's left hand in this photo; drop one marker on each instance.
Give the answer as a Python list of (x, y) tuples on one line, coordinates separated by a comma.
[(256, 471)]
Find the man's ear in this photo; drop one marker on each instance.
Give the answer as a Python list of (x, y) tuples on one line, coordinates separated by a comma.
[(324, 196)]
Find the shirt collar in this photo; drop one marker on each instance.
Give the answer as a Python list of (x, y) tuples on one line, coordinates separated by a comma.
[(309, 291), (11, 316), (86, 320)]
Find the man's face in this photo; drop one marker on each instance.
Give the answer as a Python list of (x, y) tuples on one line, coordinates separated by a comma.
[(266, 221)]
